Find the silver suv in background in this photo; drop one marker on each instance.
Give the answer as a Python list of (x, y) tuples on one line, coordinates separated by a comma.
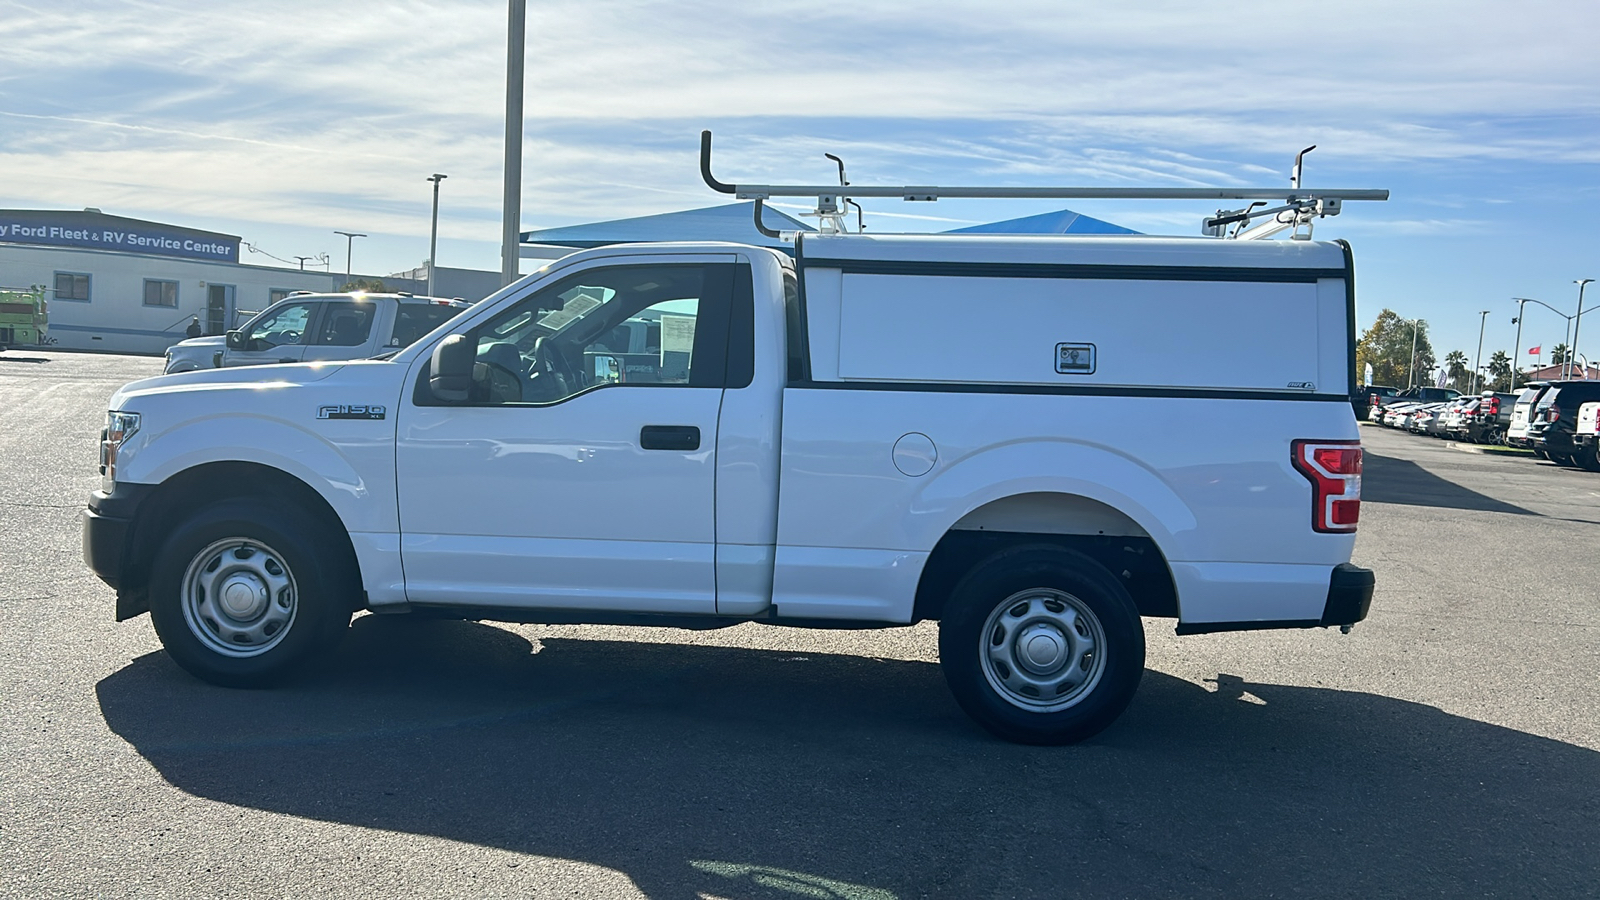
[(316, 327)]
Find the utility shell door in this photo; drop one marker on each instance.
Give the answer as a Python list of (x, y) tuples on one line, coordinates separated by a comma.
[(345, 330), (569, 480), (278, 334)]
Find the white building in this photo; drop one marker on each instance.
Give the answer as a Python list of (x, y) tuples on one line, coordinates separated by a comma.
[(130, 286)]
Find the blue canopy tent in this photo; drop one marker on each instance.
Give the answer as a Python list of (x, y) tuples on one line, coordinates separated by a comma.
[(1062, 221), (734, 222)]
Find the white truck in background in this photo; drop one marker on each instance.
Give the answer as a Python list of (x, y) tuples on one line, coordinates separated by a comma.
[(306, 327), (1034, 440)]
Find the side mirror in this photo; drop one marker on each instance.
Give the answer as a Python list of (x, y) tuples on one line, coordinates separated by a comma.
[(607, 369), (450, 377), (236, 340)]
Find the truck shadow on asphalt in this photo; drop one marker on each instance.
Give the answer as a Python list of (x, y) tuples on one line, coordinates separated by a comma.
[(1385, 479), (699, 770)]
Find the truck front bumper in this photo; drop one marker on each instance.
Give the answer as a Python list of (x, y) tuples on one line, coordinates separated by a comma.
[(108, 531)]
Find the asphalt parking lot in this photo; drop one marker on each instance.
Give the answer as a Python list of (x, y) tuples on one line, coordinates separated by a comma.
[(1449, 746)]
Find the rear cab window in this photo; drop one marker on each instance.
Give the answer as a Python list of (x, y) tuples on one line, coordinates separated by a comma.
[(417, 319)]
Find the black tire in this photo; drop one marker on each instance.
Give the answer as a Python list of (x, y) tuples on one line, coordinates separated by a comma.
[(1540, 454), (1004, 582), (1588, 457), (1563, 459), (322, 584)]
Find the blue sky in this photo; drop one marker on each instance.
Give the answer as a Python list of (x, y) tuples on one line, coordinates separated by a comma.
[(283, 121)]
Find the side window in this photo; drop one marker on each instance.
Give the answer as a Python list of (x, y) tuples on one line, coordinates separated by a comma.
[(283, 326), (345, 324), (417, 319), (643, 325), (72, 286)]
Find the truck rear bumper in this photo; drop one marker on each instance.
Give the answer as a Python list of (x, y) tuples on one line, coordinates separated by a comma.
[(1348, 600)]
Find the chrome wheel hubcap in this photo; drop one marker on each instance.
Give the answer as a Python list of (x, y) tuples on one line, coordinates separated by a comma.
[(239, 597), (1043, 650)]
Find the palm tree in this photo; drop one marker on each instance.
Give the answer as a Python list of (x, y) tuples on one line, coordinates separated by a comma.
[(1500, 370), (1558, 354), (1456, 368)]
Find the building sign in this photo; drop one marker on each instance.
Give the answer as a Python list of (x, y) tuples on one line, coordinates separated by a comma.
[(96, 231)]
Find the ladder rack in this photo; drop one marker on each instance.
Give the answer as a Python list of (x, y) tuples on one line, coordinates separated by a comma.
[(1304, 204)]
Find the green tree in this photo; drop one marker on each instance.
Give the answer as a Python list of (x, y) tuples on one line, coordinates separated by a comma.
[(1558, 354), (1500, 371), (373, 286), (1387, 346), (1455, 363)]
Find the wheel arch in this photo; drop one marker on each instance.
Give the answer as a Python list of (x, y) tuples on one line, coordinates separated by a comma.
[(1088, 526), (202, 484)]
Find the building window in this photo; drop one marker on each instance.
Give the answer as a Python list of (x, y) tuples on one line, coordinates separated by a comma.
[(72, 286), (276, 294), (160, 293)]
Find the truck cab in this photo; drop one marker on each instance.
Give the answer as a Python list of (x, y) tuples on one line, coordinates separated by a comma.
[(878, 430)]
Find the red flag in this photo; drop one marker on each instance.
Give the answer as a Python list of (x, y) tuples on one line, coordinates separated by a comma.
[(1535, 351)]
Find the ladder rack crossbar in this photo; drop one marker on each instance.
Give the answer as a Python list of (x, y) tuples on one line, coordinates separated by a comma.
[(767, 191)]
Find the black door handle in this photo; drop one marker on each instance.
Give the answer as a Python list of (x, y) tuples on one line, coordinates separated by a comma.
[(670, 437)]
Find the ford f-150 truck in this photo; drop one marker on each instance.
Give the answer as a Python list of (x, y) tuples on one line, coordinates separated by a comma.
[(310, 327), (1034, 440)]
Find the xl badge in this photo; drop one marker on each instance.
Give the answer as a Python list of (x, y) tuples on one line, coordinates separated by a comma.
[(1075, 359), (353, 411)]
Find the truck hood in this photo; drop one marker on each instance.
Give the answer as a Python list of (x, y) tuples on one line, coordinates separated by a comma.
[(242, 378), (201, 344)]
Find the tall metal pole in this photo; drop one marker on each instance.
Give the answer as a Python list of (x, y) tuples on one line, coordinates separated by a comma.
[(433, 241), (1478, 362), (511, 202), (1577, 321), (1516, 349), (349, 245), (1411, 375)]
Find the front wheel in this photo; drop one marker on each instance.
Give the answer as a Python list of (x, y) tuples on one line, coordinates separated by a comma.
[(246, 592), (1041, 645)]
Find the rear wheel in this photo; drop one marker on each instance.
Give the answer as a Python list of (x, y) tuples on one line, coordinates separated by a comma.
[(246, 593), (1041, 645), (1589, 457), (1563, 459)]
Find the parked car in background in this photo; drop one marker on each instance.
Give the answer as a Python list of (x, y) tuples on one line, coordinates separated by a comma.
[(1522, 415), (1586, 436), (1455, 415), (1489, 422), (318, 327), (1362, 400), (1555, 419)]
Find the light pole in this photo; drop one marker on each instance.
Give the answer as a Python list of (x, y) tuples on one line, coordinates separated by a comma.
[(1477, 363), (511, 201), (1411, 372), (349, 244), (1577, 321), (303, 261), (433, 240)]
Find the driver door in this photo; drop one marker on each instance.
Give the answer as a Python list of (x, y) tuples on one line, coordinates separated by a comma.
[(276, 335), (580, 474)]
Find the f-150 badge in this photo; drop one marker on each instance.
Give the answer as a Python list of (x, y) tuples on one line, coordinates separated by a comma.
[(1075, 359), (353, 411)]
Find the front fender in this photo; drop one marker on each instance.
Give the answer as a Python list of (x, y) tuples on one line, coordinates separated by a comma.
[(356, 492), (1051, 466)]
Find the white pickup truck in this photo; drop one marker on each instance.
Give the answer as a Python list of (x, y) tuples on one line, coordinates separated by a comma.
[(1034, 440), (306, 327)]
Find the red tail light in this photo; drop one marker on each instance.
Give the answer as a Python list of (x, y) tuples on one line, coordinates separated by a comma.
[(1493, 406), (1334, 470), (1553, 415)]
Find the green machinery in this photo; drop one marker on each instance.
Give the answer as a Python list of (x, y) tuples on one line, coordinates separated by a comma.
[(24, 317)]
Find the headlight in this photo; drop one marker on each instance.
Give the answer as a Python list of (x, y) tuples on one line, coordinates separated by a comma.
[(119, 427)]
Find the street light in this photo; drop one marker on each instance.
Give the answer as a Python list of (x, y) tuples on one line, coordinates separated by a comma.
[(511, 201), (1577, 321), (349, 243), (1411, 371), (303, 261), (1477, 363), (433, 241)]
